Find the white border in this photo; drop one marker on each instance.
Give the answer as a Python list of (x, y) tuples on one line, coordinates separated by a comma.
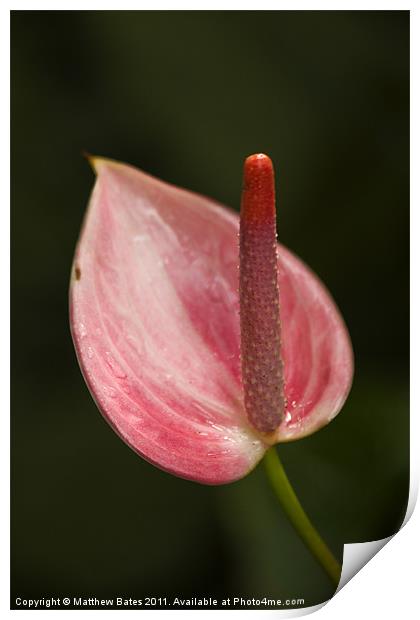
[(235, 5), (388, 584)]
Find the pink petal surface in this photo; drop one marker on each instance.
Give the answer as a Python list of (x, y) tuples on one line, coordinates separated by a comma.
[(154, 313)]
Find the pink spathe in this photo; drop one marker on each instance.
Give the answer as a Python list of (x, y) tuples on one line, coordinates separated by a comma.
[(154, 312)]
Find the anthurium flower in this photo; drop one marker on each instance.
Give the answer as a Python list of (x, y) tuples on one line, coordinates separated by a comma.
[(160, 317)]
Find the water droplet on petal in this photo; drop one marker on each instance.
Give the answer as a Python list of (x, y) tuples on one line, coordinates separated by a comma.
[(114, 366)]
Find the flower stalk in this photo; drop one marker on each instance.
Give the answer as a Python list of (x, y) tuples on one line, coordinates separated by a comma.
[(298, 517)]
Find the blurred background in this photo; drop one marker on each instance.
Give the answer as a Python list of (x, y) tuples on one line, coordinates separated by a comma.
[(186, 96)]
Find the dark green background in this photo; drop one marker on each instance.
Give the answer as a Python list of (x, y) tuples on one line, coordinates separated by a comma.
[(186, 96)]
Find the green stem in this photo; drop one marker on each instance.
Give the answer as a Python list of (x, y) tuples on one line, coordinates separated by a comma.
[(297, 516)]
